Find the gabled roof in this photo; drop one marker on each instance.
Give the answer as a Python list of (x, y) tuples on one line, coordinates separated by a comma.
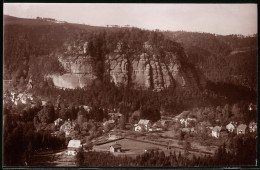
[(74, 144), (216, 129), (230, 125), (143, 121), (242, 127), (116, 146)]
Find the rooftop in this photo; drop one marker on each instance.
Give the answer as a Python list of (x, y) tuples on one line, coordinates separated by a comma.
[(74, 144)]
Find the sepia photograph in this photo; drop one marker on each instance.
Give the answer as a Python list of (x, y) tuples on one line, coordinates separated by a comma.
[(129, 85)]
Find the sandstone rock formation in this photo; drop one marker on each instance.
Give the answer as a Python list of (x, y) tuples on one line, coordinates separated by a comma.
[(145, 69)]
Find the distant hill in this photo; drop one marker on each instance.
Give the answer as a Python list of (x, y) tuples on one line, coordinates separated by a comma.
[(230, 59)]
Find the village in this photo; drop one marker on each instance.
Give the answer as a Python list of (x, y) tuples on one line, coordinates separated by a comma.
[(183, 133)]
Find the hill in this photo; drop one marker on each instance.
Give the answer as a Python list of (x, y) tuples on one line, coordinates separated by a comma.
[(230, 59), (128, 68)]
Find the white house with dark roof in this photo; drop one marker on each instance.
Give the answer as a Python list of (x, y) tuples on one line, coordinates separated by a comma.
[(73, 147), (241, 129), (230, 127), (215, 131), (115, 148), (143, 125)]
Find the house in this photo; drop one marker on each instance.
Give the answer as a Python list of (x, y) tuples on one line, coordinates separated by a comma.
[(230, 127), (115, 148), (158, 126), (215, 131), (241, 129), (140, 128), (58, 122), (252, 127), (73, 147), (143, 125)]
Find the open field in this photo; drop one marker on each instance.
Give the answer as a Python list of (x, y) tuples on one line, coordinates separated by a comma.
[(134, 147), (129, 147)]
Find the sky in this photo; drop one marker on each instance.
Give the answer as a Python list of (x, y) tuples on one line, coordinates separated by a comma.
[(221, 19)]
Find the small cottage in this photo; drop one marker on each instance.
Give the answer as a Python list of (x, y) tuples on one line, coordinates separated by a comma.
[(252, 127), (73, 147), (215, 131), (115, 148), (241, 129), (143, 125), (157, 126), (230, 127)]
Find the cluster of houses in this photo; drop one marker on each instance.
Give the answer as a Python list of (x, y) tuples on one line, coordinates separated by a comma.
[(21, 98), (147, 126)]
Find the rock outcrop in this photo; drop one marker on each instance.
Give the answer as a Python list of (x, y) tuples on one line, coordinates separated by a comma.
[(146, 69)]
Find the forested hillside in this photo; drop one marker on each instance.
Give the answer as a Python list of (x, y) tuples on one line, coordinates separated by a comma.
[(189, 69), (230, 59)]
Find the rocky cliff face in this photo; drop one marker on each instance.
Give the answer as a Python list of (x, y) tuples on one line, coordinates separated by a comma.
[(145, 69)]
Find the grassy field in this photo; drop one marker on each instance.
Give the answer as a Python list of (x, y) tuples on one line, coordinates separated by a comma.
[(129, 147), (133, 148)]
